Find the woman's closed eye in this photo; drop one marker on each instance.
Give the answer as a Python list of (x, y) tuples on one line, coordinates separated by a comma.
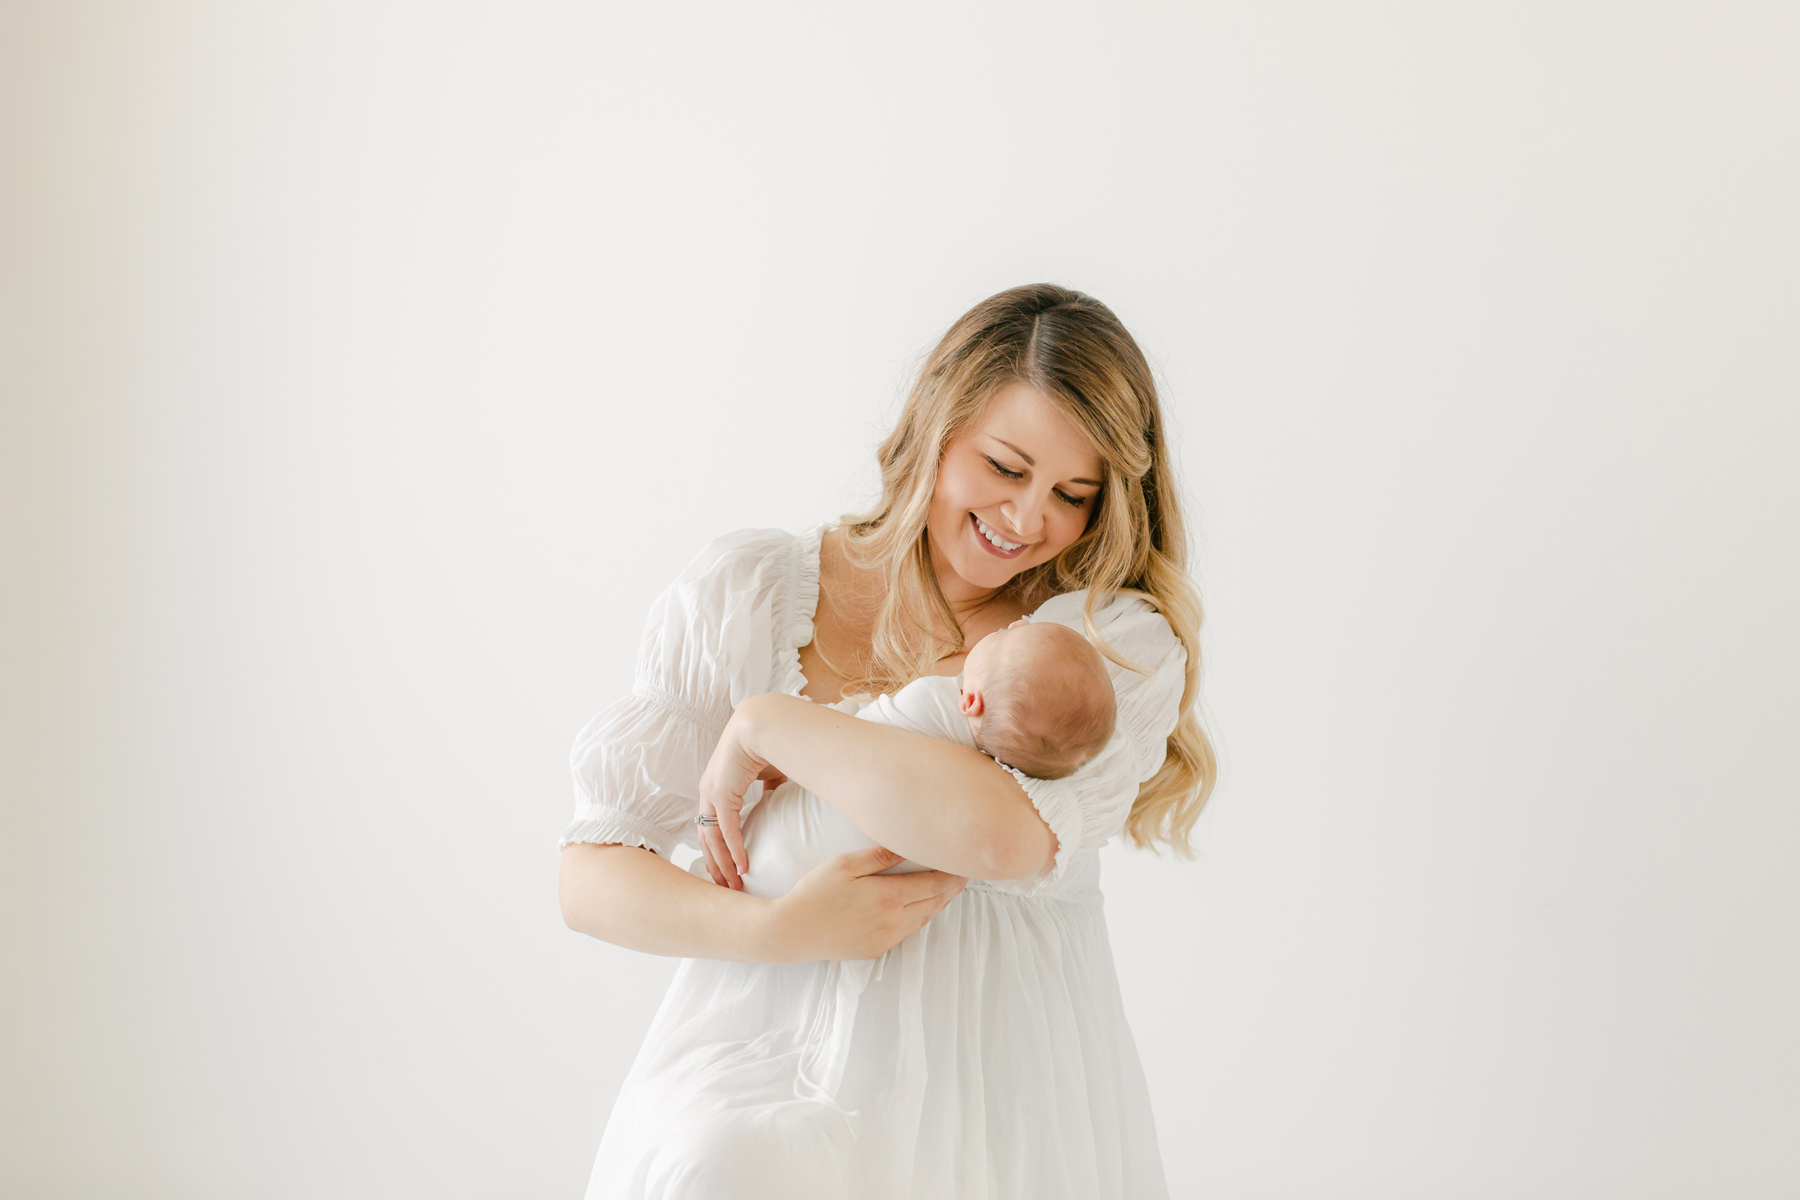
[(1009, 473), (1006, 471)]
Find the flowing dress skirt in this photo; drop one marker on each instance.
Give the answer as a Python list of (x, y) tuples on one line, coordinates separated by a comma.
[(985, 1056)]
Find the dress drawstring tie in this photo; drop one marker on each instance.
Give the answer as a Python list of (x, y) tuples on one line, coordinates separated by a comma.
[(826, 1049)]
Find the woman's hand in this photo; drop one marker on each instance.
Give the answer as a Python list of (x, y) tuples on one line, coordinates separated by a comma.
[(841, 909), (734, 766), (844, 908)]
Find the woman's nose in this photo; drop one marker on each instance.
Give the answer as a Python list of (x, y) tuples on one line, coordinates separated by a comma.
[(1027, 516)]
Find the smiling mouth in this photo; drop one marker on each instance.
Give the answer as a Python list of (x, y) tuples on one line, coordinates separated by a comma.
[(995, 544)]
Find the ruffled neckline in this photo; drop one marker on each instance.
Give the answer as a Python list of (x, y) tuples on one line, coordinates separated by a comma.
[(794, 610)]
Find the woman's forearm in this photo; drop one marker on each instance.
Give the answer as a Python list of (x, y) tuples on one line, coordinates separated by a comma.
[(933, 801), (843, 908), (635, 898)]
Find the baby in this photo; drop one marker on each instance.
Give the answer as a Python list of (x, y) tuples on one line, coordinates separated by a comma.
[(1034, 696)]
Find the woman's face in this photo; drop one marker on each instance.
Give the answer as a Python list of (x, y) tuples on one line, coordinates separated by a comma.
[(1013, 491)]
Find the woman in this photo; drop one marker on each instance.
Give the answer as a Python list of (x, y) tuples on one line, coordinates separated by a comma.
[(990, 1056)]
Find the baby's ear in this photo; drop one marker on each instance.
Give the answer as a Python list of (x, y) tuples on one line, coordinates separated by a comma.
[(970, 703)]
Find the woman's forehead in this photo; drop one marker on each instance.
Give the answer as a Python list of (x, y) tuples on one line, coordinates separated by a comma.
[(1028, 423)]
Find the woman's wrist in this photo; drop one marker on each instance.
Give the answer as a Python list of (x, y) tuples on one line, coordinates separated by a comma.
[(754, 716), (781, 730), (762, 934)]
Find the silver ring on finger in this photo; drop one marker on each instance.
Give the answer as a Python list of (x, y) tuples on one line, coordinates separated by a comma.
[(706, 819)]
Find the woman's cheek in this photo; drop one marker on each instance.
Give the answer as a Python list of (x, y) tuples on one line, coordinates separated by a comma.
[(1068, 528)]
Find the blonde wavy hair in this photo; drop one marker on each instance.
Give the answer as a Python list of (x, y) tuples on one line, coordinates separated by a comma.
[(1072, 349)]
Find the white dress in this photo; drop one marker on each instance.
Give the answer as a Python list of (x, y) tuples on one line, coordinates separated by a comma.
[(987, 1056)]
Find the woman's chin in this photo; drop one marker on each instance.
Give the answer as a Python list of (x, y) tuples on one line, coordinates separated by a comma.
[(985, 570)]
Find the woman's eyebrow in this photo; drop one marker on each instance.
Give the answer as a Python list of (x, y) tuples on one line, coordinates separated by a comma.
[(1032, 462), (1029, 461)]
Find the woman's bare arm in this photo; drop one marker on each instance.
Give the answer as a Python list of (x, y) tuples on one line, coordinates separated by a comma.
[(926, 799), (844, 908), (635, 898)]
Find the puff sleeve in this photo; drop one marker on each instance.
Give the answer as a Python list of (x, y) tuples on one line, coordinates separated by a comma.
[(1083, 810), (710, 641)]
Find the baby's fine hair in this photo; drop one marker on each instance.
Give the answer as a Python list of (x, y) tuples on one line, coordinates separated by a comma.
[(1054, 711)]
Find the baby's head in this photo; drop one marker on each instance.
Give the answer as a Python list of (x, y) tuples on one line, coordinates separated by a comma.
[(1038, 698)]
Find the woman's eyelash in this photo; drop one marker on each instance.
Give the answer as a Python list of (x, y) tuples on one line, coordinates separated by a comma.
[(1071, 501), (1009, 473)]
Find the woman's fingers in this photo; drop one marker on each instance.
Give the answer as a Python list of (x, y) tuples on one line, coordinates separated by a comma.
[(733, 834), (706, 857), (711, 868), (719, 858), (872, 861), (728, 776), (844, 908), (923, 886), (919, 912), (923, 895)]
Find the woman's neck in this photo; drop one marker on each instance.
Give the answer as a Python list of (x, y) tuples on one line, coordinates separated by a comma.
[(965, 598), (850, 597)]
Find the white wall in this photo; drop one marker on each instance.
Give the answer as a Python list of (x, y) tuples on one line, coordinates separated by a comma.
[(367, 368)]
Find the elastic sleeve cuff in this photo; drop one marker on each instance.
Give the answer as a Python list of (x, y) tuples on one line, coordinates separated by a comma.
[(615, 827), (1055, 803)]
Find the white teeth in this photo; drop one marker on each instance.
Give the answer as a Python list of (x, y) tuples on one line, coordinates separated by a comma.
[(995, 538)]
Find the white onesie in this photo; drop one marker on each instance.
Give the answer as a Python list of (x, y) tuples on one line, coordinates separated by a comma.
[(790, 831)]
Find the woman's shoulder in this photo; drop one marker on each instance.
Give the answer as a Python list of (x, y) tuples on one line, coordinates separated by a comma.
[(1151, 687), (744, 552), (1124, 617), (751, 567), (766, 579)]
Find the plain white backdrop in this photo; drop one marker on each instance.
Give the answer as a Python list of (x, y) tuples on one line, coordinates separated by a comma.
[(368, 367)]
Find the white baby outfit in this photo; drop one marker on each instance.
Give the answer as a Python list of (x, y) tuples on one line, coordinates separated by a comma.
[(791, 831), (987, 1056)]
